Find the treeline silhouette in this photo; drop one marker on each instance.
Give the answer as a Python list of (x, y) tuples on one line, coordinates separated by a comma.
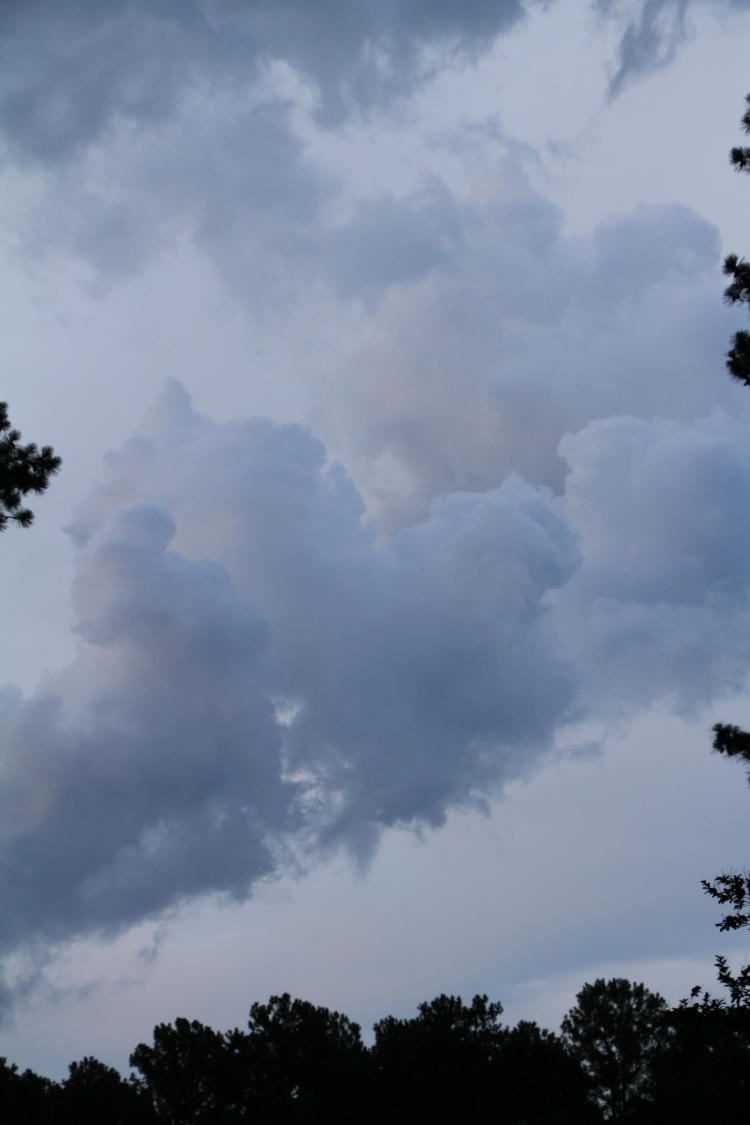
[(623, 1055)]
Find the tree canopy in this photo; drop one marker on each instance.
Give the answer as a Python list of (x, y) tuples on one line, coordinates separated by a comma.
[(23, 469), (738, 291), (623, 1056), (732, 889), (615, 1030)]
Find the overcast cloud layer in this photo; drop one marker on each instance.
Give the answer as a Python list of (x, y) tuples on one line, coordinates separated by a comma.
[(71, 71), (503, 493)]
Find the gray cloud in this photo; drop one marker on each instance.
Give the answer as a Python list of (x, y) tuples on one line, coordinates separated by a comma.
[(303, 685), (74, 71), (154, 122), (489, 334), (478, 369), (126, 780), (217, 146), (652, 38), (659, 508), (307, 687)]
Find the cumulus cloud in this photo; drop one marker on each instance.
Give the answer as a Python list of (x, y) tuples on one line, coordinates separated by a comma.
[(257, 675), (479, 368), (660, 510), (303, 684), (126, 779), (488, 332)]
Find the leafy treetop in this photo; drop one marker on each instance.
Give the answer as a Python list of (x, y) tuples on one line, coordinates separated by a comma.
[(23, 468), (738, 291)]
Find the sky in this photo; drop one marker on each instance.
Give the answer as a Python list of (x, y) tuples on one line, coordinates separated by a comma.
[(367, 645)]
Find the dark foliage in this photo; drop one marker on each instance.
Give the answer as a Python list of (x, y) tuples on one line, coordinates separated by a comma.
[(733, 888), (623, 1057), (23, 469), (301, 1063), (296, 1063), (539, 1082), (732, 741), (191, 1074), (304, 1064), (615, 1031), (739, 158), (440, 1065), (24, 1097), (94, 1093), (456, 1062), (705, 1073), (738, 291)]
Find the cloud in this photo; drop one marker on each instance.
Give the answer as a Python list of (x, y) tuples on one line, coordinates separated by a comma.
[(226, 145), (659, 508), (522, 334), (258, 677), (484, 331), (73, 72), (652, 38), (126, 780), (304, 684), (77, 73), (139, 125)]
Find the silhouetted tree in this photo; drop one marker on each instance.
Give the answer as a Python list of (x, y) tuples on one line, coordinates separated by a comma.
[(732, 889), (738, 291), (24, 1097), (304, 1063), (23, 469), (439, 1066), (615, 1031), (539, 1082), (191, 1074), (296, 1063), (456, 1062), (94, 1093), (704, 1074)]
